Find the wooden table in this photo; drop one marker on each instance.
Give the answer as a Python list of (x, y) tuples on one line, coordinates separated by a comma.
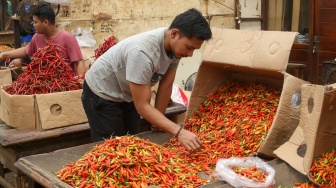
[(41, 167), (17, 143)]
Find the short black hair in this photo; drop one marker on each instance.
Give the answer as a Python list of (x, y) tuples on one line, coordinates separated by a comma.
[(192, 23), (45, 12)]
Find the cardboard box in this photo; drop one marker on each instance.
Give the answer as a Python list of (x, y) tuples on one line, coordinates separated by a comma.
[(42, 111), (16, 71), (316, 133), (251, 57), (5, 76)]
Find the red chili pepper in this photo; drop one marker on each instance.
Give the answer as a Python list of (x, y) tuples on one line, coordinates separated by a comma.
[(107, 44), (48, 72)]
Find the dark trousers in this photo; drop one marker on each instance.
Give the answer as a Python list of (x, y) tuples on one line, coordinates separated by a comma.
[(108, 118)]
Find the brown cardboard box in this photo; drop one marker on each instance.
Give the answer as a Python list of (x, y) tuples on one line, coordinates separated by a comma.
[(5, 76), (251, 57), (42, 111), (316, 132)]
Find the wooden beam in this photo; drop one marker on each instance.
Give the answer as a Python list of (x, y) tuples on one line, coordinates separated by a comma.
[(16, 29)]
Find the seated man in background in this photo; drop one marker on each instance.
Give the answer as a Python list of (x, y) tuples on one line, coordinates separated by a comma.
[(46, 31)]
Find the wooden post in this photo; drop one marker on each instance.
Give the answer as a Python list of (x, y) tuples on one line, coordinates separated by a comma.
[(16, 29)]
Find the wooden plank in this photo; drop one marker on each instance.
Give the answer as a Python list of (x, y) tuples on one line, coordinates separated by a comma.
[(298, 55), (328, 15), (13, 137), (327, 4), (327, 29), (326, 56), (327, 44), (5, 183)]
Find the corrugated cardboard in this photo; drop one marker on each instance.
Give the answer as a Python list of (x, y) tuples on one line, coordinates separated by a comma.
[(59, 109), (42, 111), (316, 128), (5, 76), (17, 110), (251, 57)]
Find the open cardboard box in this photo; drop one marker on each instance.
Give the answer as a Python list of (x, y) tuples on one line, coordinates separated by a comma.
[(5, 76), (42, 111), (316, 133), (251, 57)]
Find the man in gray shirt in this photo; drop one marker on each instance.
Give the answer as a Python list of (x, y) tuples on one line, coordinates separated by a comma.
[(117, 88)]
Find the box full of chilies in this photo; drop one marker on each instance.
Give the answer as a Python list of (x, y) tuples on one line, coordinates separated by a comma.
[(45, 96), (256, 103), (243, 103)]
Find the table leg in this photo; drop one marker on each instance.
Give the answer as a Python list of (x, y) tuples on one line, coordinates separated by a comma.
[(2, 170)]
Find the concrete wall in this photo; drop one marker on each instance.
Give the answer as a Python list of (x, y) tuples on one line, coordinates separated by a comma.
[(129, 17)]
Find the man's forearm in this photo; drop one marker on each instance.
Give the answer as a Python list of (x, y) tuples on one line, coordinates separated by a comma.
[(162, 100), (17, 53), (80, 68)]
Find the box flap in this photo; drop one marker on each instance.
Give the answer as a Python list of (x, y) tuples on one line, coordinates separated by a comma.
[(287, 117), (255, 49), (316, 129)]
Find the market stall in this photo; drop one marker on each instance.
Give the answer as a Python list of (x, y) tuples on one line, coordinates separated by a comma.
[(17, 143), (41, 168)]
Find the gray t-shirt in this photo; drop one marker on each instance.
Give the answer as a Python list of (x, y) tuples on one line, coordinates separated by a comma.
[(140, 59)]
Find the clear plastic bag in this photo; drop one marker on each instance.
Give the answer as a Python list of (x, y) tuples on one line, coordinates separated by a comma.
[(85, 37), (224, 172)]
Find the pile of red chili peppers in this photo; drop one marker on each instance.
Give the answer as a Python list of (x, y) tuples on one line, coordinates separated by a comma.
[(252, 173), (108, 43), (48, 72), (305, 185), (129, 161), (232, 122), (323, 170)]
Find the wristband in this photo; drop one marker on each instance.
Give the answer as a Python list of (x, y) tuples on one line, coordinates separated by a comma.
[(178, 132)]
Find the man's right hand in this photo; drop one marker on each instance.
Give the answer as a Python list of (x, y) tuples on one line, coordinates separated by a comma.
[(189, 140)]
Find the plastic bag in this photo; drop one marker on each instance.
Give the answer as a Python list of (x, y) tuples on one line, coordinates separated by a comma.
[(178, 95), (85, 38), (224, 172)]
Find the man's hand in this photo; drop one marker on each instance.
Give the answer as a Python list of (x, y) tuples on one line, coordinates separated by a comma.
[(15, 63), (80, 79), (189, 140)]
